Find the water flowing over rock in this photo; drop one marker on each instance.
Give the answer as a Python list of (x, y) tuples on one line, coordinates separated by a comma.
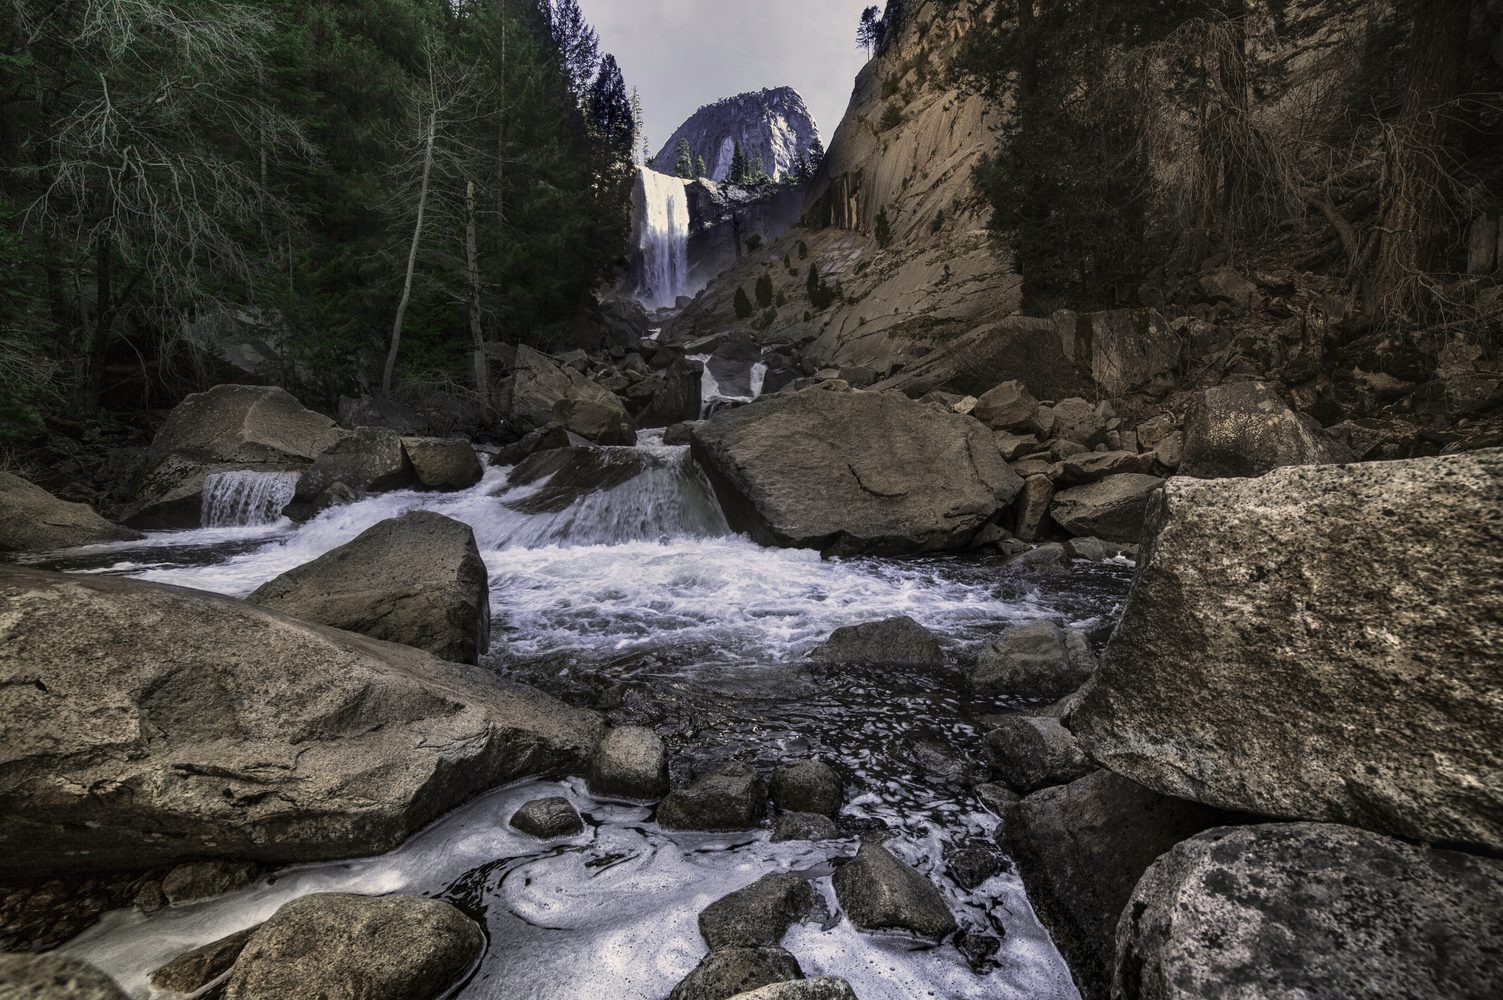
[(416, 579), (225, 730), (1319, 643), (660, 231), (31, 520), (772, 124), (1311, 909), (853, 473), (339, 945), (245, 497)]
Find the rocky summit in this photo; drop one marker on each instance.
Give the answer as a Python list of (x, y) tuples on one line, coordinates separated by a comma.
[(772, 125)]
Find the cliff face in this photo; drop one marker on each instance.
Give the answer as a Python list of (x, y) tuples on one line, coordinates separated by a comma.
[(772, 124)]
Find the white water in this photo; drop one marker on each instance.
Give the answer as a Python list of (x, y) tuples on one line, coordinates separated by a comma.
[(662, 207), (742, 384), (245, 498)]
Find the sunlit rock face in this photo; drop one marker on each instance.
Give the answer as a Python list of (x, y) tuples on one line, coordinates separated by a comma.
[(773, 124)]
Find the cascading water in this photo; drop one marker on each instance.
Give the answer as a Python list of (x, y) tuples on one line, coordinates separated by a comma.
[(244, 498), (660, 206), (616, 585), (727, 382)]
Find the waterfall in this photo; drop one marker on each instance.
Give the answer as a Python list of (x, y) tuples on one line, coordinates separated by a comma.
[(242, 498), (660, 205)]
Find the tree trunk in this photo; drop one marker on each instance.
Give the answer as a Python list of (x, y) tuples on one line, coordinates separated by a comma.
[(1414, 229), (417, 232), (482, 375)]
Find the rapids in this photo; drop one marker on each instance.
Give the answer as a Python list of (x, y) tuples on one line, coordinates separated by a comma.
[(616, 584)]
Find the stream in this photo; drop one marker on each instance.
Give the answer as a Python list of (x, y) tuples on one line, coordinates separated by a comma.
[(617, 585)]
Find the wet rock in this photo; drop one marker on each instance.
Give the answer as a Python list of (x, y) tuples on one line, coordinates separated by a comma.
[(973, 861), (1030, 752), (595, 422), (804, 826), (338, 945), (1009, 407), (150, 898), (1093, 466), (852, 473), (1245, 429), (1081, 848), (898, 640), (417, 579), (538, 382), (443, 463), (996, 797), (206, 879), (33, 520), (877, 891), (54, 976), (337, 495), (573, 473), (1047, 558), (679, 433), (547, 818), (1112, 509), (1096, 550), (759, 914), (1032, 506), (679, 397), (818, 988), (807, 786), (1038, 660), (1311, 909), (196, 738), (194, 970), (990, 534), (731, 972), (1076, 420), (370, 459), (631, 763), (730, 797), (1269, 637), (546, 438)]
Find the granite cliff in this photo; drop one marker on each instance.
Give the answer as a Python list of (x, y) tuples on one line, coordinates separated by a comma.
[(772, 124)]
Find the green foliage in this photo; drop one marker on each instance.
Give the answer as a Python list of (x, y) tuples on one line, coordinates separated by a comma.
[(787, 263), (892, 117), (737, 173), (753, 241), (883, 229), (684, 165), (821, 295), (803, 250), (764, 290), (768, 315), (758, 173), (742, 303), (699, 167)]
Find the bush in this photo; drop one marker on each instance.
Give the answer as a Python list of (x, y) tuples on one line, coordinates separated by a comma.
[(764, 290), (803, 250), (820, 294), (743, 304), (938, 223), (782, 300), (892, 117), (884, 228), (768, 315), (753, 241)]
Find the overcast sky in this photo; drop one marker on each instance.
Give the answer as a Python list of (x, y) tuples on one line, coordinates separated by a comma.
[(681, 54)]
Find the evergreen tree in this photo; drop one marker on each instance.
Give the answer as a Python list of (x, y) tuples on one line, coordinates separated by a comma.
[(742, 303), (610, 107), (638, 141), (577, 44), (758, 173), (684, 165), (699, 166), (866, 30), (737, 174), (884, 228), (816, 155), (764, 290)]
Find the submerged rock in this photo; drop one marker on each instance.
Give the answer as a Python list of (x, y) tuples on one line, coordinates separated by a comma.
[(759, 914), (343, 947), (547, 818), (804, 826), (1319, 643), (728, 972), (1081, 848), (810, 786), (877, 891), (853, 473), (54, 976), (899, 640), (731, 797), (631, 763), (417, 579), (201, 736), (33, 520), (1311, 909)]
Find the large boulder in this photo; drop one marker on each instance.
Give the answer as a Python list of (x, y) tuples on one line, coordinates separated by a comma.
[(1081, 848), (417, 579), (538, 382), (1038, 660), (1320, 643), (33, 520), (346, 947), (595, 422), (758, 914), (1009, 407), (1112, 509), (816, 988), (147, 725), (1029, 752), (853, 473), (443, 463), (227, 428), (631, 763), (54, 976), (1245, 429), (878, 891), (1307, 910), (731, 797), (807, 786), (891, 641), (679, 398), (370, 459), (728, 972)]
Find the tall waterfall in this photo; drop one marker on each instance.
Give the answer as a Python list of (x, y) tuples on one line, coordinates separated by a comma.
[(660, 206), (238, 499)]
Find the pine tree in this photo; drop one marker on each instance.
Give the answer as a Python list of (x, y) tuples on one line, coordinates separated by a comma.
[(737, 173), (884, 228), (764, 290), (684, 166), (636, 129), (610, 107), (759, 172), (743, 304), (699, 166), (816, 155), (866, 30)]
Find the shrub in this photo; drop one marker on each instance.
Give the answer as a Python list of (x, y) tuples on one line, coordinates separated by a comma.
[(764, 290), (938, 223), (884, 228), (782, 300), (892, 117), (768, 315), (803, 250), (743, 304)]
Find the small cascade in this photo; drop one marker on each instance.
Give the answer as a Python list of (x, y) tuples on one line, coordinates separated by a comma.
[(244, 498), (727, 382), (660, 209)]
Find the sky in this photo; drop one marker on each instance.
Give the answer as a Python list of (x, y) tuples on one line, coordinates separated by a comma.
[(681, 54)]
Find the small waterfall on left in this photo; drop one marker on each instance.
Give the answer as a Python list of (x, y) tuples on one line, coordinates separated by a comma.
[(244, 498), (660, 210)]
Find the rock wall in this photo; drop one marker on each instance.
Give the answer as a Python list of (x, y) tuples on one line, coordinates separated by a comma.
[(773, 124)]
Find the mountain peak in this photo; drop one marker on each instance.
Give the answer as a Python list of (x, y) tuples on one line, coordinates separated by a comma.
[(772, 123)]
